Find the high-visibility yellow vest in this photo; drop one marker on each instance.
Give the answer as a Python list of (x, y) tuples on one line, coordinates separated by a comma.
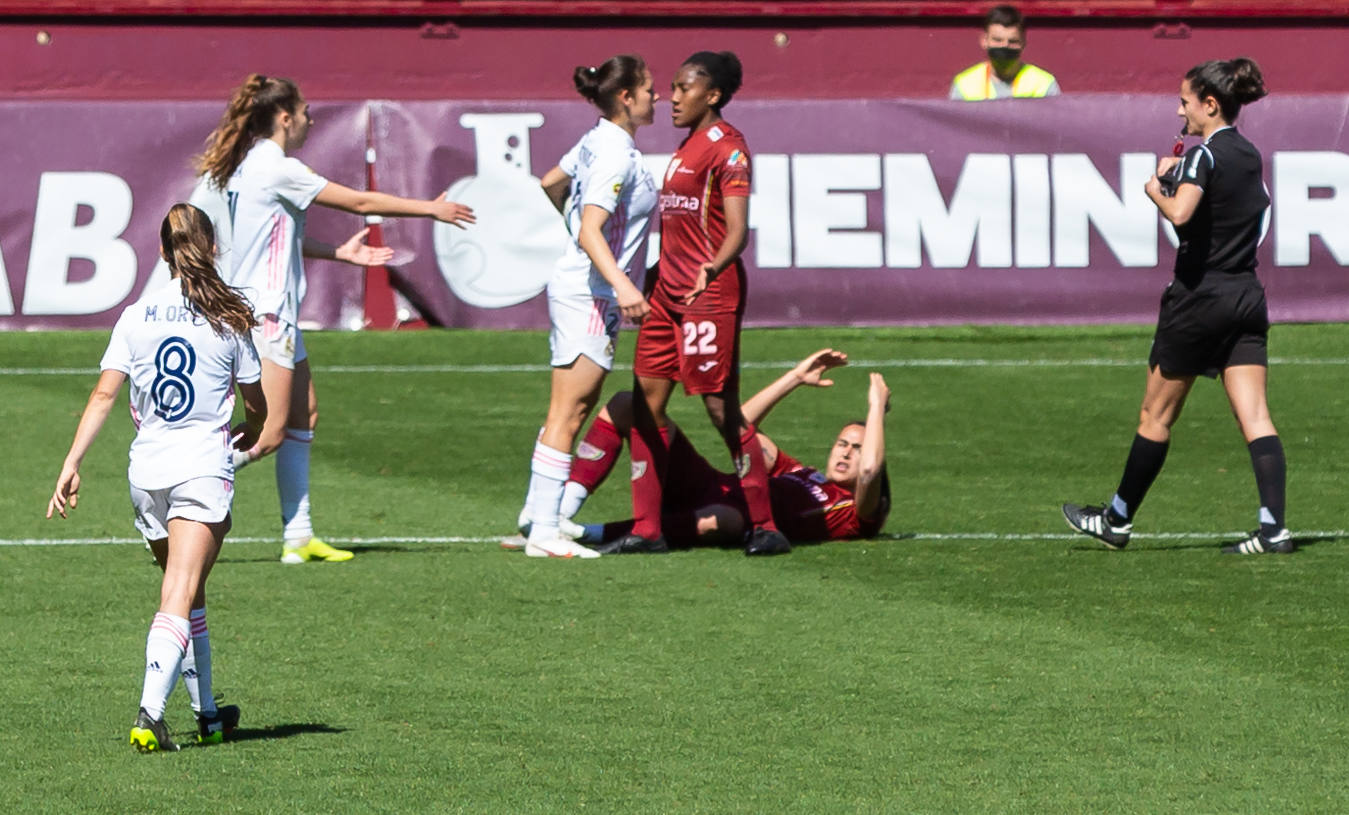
[(975, 84)]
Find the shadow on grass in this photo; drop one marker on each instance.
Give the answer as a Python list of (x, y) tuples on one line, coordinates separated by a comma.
[(281, 731)]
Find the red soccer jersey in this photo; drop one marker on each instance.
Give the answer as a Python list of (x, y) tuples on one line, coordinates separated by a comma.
[(809, 507), (711, 165)]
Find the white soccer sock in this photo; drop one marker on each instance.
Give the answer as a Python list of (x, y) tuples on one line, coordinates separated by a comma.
[(573, 497), (292, 485), (549, 470), (197, 665), (164, 648)]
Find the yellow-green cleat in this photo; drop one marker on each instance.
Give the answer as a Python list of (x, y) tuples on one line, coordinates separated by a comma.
[(315, 549), (151, 735)]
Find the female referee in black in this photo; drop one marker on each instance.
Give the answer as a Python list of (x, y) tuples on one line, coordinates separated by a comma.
[(1213, 318)]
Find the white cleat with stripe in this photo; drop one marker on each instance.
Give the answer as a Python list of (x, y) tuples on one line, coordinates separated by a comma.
[(559, 547)]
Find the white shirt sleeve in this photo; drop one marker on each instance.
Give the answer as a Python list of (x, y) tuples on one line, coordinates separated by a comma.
[(571, 161), (246, 366), (118, 355), (604, 183), (296, 183)]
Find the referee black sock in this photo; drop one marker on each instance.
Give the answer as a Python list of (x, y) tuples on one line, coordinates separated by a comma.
[(1271, 472), (1146, 458)]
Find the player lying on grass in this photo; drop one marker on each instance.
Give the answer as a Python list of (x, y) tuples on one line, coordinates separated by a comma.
[(849, 498)]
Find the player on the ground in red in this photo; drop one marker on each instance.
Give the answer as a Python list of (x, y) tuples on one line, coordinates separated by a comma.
[(849, 498), (693, 332)]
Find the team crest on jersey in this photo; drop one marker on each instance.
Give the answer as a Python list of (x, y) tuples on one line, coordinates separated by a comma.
[(742, 465), (638, 469), (618, 187), (714, 133), (737, 159), (674, 165)]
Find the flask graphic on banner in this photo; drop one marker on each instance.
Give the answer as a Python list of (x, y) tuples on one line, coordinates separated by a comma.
[(508, 256)]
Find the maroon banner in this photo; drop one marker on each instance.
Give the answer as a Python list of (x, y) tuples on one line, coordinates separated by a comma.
[(87, 184), (864, 211), (888, 211)]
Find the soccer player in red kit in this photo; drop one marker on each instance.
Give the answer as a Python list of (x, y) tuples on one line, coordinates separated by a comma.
[(692, 334)]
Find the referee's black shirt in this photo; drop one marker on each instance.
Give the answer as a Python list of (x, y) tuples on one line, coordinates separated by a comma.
[(1224, 231)]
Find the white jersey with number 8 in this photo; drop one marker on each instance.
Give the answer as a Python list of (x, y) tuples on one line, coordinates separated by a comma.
[(182, 388)]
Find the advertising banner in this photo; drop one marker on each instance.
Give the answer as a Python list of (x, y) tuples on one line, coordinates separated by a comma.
[(890, 211), (865, 212), (86, 185)]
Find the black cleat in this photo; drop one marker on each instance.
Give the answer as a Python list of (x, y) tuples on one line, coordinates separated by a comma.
[(633, 545), (1093, 521), (214, 729), (1258, 543), (767, 542), (151, 735)]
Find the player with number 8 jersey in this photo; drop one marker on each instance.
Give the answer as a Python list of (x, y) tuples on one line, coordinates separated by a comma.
[(183, 346)]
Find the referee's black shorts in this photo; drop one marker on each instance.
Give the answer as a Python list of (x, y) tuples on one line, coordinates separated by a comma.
[(1221, 322)]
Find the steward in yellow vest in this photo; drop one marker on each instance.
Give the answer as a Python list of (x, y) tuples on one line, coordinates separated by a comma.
[(980, 82), (1004, 75)]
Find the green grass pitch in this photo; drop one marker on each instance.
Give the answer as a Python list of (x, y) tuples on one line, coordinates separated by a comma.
[(977, 658)]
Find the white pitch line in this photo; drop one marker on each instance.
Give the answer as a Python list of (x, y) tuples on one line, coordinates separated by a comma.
[(752, 365), (899, 537)]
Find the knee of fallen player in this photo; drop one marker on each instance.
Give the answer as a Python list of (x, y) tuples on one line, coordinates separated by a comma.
[(720, 525)]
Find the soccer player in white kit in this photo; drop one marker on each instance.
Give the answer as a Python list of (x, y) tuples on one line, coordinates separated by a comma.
[(611, 198), (268, 194), (183, 346)]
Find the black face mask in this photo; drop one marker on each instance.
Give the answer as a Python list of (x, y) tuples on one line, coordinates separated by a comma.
[(1002, 55)]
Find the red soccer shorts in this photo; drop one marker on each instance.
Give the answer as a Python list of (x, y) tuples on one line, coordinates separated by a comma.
[(700, 350)]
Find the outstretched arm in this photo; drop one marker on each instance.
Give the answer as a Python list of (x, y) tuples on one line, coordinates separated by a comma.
[(364, 202), (809, 371), (354, 251), (95, 414), (868, 490)]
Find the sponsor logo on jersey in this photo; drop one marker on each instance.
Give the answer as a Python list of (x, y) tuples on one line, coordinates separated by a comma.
[(707, 366), (672, 201), (588, 452), (737, 159), (715, 133)]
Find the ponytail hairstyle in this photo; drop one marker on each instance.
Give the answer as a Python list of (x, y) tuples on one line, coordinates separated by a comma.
[(1232, 83), (187, 240), (723, 72), (250, 115), (601, 86)]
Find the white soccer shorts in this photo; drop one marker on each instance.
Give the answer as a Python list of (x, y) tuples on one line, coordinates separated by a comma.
[(206, 500), (582, 325), (279, 341)]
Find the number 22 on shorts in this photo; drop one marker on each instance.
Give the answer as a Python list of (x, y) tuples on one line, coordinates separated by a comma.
[(700, 338)]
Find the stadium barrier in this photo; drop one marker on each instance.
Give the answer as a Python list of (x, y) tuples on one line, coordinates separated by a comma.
[(864, 211)]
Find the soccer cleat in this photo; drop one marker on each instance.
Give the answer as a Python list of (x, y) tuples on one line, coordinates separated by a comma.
[(1092, 521), (559, 547), (214, 729), (514, 543), (767, 542), (149, 735), (315, 549), (1258, 543), (631, 544)]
